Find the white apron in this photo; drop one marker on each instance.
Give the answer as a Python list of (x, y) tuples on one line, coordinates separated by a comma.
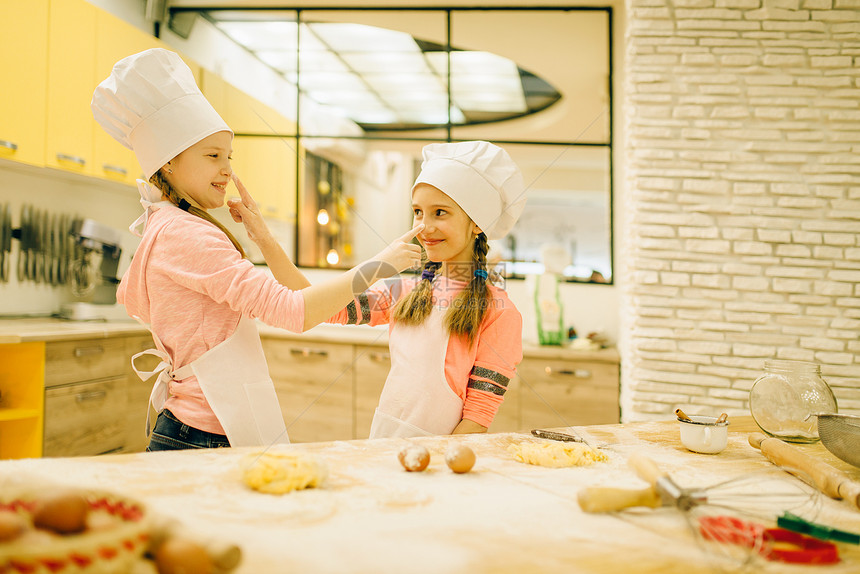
[(234, 378), (233, 375), (416, 399)]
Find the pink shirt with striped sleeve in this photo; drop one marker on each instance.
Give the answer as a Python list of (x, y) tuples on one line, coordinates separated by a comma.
[(478, 373), (188, 282)]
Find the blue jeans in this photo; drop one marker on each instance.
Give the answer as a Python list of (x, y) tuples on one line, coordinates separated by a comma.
[(170, 433)]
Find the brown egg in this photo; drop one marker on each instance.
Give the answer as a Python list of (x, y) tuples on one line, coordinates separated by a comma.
[(64, 513), (414, 458), (460, 458), (12, 525), (182, 556)]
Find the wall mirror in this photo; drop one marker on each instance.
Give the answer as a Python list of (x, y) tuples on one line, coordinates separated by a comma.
[(376, 85)]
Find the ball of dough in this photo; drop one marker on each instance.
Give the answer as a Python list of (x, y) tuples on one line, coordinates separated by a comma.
[(556, 454), (414, 458), (460, 458), (279, 473)]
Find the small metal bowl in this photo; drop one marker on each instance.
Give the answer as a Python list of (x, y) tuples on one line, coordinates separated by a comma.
[(840, 434)]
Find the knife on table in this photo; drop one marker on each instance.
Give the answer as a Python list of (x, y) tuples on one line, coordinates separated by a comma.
[(552, 435)]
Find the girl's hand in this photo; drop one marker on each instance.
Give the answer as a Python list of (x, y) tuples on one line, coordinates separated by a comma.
[(401, 253), (246, 212)]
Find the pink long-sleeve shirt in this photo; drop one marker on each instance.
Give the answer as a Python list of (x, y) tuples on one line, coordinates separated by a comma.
[(477, 373), (191, 285)]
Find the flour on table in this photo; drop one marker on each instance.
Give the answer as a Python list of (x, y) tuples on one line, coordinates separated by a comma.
[(555, 454), (279, 473)]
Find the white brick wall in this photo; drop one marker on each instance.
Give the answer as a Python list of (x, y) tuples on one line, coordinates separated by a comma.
[(742, 232)]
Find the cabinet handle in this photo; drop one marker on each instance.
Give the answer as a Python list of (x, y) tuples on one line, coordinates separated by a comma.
[(115, 169), (72, 158), (306, 352), (578, 373), (9, 145), (87, 351), (379, 357), (90, 396)]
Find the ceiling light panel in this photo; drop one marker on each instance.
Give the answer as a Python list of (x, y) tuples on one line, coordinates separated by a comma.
[(311, 81), (257, 36), (386, 62), (405, 83), (361, 38)]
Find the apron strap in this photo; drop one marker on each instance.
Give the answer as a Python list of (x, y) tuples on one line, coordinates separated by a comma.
[(160, 389)]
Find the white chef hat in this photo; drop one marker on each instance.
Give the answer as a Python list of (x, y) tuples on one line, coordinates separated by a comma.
[(483, 180), (151, 104)]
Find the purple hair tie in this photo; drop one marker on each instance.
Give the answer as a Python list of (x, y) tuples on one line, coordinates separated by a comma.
[(428, 274), (482, 273)]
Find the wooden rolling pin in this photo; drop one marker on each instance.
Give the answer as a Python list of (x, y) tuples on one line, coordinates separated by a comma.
[(831, 481), (606, 499)]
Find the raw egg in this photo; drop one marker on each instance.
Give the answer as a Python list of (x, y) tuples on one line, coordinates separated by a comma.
[(179, 555), (414, 458), (12, 525), (63, 513), (460, 458)]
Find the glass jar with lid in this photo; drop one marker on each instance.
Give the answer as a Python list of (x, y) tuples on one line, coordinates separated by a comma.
[(786, 398)]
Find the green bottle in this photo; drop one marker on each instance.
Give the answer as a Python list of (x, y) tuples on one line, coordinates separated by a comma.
[(549, 310)]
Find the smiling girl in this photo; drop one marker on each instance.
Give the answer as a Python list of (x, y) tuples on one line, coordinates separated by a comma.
[(189, 279), (455, 339)]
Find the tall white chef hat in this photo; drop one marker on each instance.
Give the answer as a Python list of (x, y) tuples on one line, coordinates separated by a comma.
[(483, 180), (151, 104)]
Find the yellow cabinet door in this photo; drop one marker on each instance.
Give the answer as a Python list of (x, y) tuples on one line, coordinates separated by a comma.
[(24, 69), (71, 81), (116, 39), (251, 116), (267, 167)]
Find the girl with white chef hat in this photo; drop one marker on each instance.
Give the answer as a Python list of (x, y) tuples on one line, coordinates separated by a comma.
[(455, 339), (189, 279)]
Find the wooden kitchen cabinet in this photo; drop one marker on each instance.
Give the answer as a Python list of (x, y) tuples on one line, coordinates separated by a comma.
[(85, 396), (24, 69), (314, 385), (556, 392), (71, 74), (318, 388)]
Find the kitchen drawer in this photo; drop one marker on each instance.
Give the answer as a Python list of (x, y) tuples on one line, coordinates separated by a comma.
[(562, 393), (84, 360), (85, 419), (372, 365), (314, 385)]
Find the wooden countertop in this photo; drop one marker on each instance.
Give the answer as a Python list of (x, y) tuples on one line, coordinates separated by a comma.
[(503, 517), (48, 329)]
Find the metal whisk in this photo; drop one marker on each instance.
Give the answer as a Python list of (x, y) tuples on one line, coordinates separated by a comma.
[(713, 512)]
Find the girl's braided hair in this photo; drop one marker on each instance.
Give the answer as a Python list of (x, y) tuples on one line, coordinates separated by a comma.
[(159, 181), (468, 307)]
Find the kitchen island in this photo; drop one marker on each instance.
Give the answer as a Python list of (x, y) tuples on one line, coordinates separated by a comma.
[(503, 516)]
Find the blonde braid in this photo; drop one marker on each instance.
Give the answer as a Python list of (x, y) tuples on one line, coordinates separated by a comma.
[(417, 305), (470, 305), (173, 195)]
